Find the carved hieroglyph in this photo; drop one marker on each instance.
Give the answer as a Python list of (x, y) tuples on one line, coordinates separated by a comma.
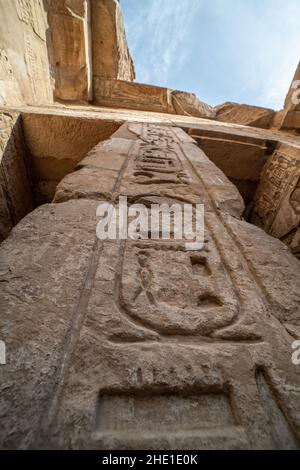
[(24, 67), (138, 343), (277, 205), (51, 49)]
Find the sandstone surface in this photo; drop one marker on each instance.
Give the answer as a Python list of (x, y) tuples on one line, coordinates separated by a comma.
[(138, 342), (253, 116), (16, 195), (291, 114), (277, 202), (108, 330), (111, 56)]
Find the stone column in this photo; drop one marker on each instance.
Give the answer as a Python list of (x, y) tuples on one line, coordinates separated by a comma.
[(291, 115), (140, 343), (69, 48), (277, 200)]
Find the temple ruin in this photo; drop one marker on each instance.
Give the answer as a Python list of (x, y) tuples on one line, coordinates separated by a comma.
[(140, 344)]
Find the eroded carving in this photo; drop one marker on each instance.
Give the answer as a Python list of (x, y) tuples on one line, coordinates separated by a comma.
[(152, 334), (180, 300), (277, 207), (30, 13)]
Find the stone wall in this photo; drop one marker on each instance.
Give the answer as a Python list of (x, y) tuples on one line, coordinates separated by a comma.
[(242, 158), (277, 201), (111, 57), (57, 144), (139, 343), (76, 51), (51, 49), (24, 67), (36, 153), (69, 48), (142, 97), (247, 115), (16, 196), (291, 115)]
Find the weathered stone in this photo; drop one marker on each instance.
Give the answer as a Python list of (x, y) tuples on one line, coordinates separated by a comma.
[(122, 94), (6, 223), (87, 183), (244, 114), (50, 50), (291, 116), (277, 202), (116, 335), (139, 343), (189, 105), (57, 144), (111, 57), (16, 198), (68, 46), (97, 174), (194, 125), (42, 266), (242, 162), (24, 66)]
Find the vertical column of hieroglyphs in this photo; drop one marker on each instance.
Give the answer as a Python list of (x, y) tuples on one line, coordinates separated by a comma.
[(24, 57)]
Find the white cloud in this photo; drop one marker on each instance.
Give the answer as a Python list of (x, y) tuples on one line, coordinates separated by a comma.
[(263, 45), (165, 24), (224, 50), (275, 52)]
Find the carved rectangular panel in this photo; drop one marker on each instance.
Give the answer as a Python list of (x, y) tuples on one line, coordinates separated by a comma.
[(123, 417)]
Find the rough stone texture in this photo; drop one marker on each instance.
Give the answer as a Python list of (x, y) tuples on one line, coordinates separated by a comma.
[(42, 263), (253, 116), (44, 52), (51, 49), (24, 67), (242, 162), (57, 132), (189, 123), (96, 174), (291, 115), (5, 218), (277, 202), (141, 344), (189, 105), (111, 57), (124, 94), (68, 48), (16, 198), (57, 144)]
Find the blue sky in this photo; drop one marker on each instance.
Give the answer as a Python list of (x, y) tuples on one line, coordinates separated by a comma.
[(222, 50)]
